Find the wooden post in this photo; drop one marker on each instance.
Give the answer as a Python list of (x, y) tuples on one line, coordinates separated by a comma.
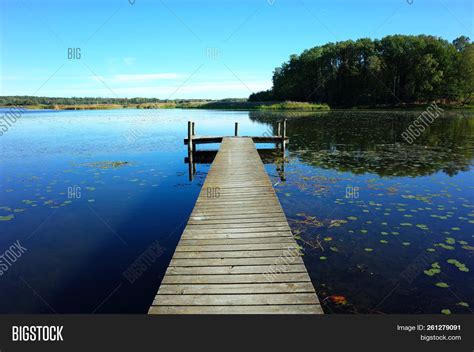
[(190, 136), (283, 137), (191, 166), (193, 147), (279, 129), (236, 129)]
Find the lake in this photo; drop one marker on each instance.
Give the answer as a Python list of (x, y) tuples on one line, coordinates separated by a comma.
[(385, 226)]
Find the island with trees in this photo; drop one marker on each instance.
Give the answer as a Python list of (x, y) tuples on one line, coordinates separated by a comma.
[(397, 70)]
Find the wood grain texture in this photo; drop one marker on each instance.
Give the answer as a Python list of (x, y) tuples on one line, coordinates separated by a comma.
[(237, 254)]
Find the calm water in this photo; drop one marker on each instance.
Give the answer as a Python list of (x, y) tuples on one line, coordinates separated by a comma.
[(385, 226)]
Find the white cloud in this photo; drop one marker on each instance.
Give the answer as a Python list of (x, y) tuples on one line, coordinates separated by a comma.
[(129, 61)]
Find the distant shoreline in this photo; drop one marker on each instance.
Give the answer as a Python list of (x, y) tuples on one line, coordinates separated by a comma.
[(233, 105), (216, 105)]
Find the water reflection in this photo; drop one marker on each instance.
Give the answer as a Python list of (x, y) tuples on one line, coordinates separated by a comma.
[(412, 201), (367, 142), (353, 247)]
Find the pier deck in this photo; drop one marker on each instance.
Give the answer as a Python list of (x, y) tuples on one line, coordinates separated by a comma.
[(237, 254)]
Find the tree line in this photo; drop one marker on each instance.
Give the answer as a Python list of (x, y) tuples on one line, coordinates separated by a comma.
[(34, 100), (395, 70)]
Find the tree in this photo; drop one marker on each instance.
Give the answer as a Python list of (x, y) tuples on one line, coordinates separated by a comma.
[(398, 69)]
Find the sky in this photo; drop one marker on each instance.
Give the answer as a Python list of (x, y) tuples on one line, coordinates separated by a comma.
[(177, 49)]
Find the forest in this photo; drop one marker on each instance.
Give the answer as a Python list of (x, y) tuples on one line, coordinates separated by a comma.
[(396, 70), (34, 100)]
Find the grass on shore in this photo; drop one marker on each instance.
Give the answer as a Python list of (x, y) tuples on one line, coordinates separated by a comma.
[(226, 104), (237, 104), (70, 107), (293, 105)]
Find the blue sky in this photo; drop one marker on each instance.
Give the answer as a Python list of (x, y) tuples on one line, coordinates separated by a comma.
[(191, 48)]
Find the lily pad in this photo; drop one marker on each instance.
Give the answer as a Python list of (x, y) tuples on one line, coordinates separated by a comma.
[(458, 264), (7, 217), (432, 272), (445, 246), (442, 284)]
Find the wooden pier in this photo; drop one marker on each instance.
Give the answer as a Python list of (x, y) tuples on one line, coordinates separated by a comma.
[(237, 254)]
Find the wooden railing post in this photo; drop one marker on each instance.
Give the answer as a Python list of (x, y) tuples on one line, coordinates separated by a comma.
[(190, 136), (193, 129), (191, 165), (236, 129), (279, 129), (283, 137)]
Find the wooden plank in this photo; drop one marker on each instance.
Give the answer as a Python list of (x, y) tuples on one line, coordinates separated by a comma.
[(239, 235), (236, 299), (229, 261), (235, 247), (236, 279), (238, 202), (232, 241), (218, 139), (254, 288), (223, 194), (196, 230), (246, 210), (237, 254), (250, 309), (231, 216), (250, 221), (266, 223), (204, 140), (229, 270), (241, 211), (232, 254)]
